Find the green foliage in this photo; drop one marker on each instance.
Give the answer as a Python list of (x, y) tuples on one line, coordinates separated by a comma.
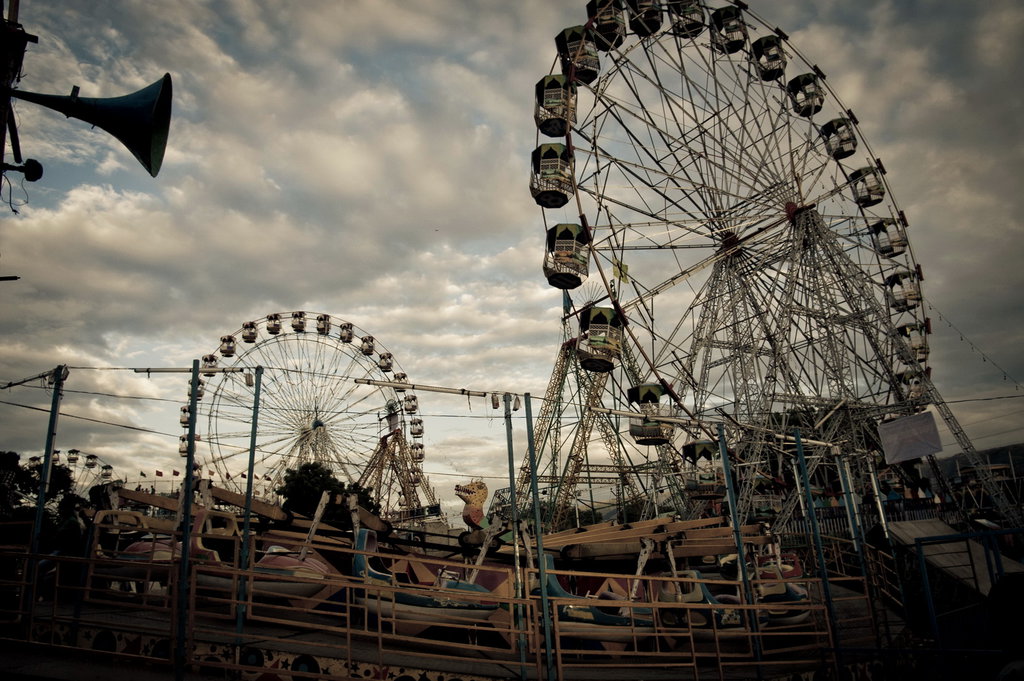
[(589, 516), (19, 489), (62, 481), (303, 486)]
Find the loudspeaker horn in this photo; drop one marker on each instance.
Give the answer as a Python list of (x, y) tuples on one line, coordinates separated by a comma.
[(140, 120)]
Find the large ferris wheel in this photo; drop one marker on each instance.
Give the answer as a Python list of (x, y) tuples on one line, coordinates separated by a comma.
[(312, 409), (730, 253)]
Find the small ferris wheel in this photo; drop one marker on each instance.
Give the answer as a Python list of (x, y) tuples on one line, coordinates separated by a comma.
[(311, 409)]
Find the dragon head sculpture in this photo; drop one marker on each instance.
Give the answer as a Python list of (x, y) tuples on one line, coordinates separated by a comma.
[(474, 494)]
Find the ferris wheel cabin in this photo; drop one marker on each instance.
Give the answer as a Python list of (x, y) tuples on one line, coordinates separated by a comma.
[(917, 338), (209, 365), (889, 237), (904, 290), (400, 377), (608, 22), (866, 184), (577, 53), (551, 182), (806, 94), (567, 256), (840, 139), (600, 340), (915, 381), (366, 345), (228, 345), (555, 110), (645, 431), (644, 17), (687, 17), (728, 30), (769, 57)]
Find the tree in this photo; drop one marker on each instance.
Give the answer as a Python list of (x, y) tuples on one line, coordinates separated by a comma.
[(304, 485), (9, 472), (19, 489)]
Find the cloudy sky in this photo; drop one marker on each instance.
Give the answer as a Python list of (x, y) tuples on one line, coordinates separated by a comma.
[(369, 159)]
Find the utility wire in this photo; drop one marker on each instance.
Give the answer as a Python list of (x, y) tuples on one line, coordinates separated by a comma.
[(92, 420)]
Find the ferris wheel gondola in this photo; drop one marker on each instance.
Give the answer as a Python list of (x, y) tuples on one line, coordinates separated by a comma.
[(87, 470)]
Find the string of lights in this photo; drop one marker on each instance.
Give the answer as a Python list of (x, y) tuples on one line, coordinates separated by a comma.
[(974, 348)]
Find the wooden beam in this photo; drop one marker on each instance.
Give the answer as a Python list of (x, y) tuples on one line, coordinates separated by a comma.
[(157, 500), (272, 511)]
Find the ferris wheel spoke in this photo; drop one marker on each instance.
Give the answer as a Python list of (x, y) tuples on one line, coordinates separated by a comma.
[(741, 160)]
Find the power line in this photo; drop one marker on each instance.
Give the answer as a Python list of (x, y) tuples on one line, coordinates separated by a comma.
[(983, 399), (92, 420), (115, 395)]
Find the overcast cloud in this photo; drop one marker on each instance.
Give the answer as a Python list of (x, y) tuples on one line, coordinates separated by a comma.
[(369, 159)]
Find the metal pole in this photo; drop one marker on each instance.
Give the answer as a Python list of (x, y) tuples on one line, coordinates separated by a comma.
[(546, 613), (514, 514), (186, 526), (877, 491), (737, 533), (243, 558), (926, 590), (851, 512), (59, 375), (812, 515)]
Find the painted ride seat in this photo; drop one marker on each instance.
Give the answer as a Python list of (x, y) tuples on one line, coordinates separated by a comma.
[(114, 530), (787, 563), (282, 560), (130, 536), (780, 592), (698, 592), (584, 609), (371, 571), (159, 548), (152, 548), (280, 572)]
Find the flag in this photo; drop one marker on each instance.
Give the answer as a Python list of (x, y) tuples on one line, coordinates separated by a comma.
[(175, 473), (159, 474), (142, 473), (621, 271)]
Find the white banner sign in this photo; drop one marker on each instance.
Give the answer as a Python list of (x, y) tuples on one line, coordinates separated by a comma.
[(910, 437)]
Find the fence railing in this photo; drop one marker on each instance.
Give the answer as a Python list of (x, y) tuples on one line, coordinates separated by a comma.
[(123, 605)]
